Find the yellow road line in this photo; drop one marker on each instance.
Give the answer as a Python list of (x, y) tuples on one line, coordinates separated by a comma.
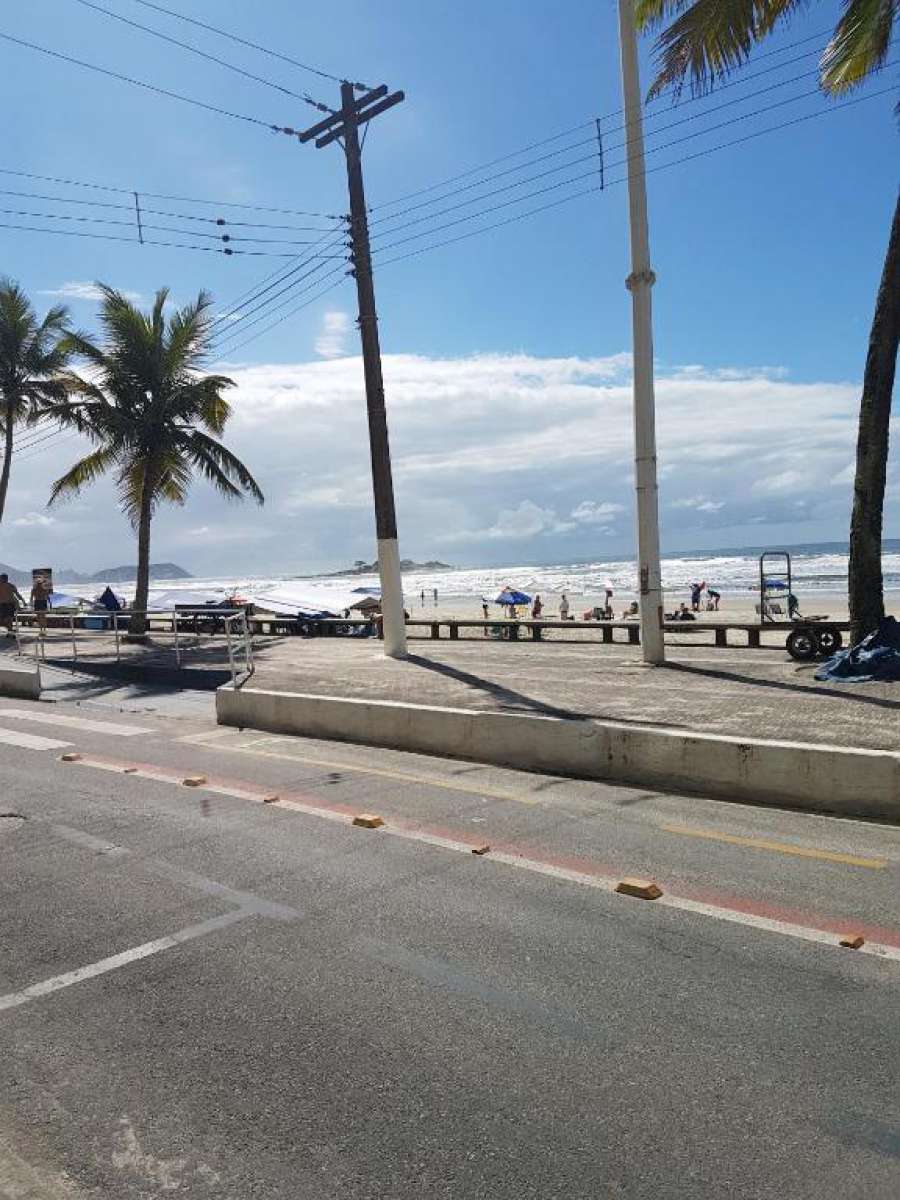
[(850, 860), (404, 776)]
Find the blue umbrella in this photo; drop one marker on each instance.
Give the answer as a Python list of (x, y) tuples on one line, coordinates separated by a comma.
[(775, 585), (511, 596)]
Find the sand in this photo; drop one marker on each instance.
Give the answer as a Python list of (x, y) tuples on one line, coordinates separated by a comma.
[(737, 606)]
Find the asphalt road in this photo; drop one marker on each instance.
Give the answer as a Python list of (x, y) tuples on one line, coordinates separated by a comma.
[(208, 995)]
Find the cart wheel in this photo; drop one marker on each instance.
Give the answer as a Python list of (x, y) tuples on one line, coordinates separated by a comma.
[(802, 645), (830, 641)]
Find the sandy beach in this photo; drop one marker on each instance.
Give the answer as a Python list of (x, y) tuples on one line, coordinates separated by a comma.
[(739, 607)]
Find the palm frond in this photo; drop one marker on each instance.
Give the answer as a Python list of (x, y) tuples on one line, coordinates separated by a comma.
[(85, 471), (222, 468), (860, 44), (709, 38)]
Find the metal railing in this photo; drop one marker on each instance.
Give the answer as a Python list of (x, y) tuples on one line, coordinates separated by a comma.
[(233, 623), (244, 641)]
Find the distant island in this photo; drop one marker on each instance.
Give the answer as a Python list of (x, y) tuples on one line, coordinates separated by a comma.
[(406, 564), (124, 574)]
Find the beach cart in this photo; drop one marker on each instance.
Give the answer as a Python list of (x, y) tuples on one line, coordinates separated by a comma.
[(810, 637)]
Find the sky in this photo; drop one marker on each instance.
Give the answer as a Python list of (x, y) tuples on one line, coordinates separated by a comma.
[(507, 352)]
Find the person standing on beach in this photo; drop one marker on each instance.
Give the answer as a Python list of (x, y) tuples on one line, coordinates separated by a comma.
[(696, 593), (40, 601), (435, 595), (714, 598), (423, 596), (536, 609), (564, 607), (10, 600)]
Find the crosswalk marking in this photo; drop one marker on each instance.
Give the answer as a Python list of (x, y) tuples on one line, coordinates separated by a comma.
[(53, 718), (30, 741)]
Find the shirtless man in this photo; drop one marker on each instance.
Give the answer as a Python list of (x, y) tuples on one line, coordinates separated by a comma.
[(10, 600)]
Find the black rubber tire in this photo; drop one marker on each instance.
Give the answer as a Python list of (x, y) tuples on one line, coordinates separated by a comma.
[(802, 645), (829, 641)]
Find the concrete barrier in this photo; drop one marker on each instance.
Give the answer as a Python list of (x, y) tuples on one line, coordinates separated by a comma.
[(821, 778), (23, 682)]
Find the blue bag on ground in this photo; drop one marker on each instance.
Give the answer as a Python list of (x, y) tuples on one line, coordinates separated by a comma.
[(876, 659)]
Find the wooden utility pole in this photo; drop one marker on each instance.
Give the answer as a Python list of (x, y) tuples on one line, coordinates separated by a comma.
[(345, 124)]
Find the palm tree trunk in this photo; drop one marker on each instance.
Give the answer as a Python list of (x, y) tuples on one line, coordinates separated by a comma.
[(138, 625), (866, 586), (7, 458)]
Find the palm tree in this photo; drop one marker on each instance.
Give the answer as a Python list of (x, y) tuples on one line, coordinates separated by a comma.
[(32, 359), (707, 40), (150, 413)]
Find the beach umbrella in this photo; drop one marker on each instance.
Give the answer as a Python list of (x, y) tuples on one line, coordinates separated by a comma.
[(511, 596)]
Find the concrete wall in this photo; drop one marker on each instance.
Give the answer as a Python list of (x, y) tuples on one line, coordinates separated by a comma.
[(818, 777), (23, 682)]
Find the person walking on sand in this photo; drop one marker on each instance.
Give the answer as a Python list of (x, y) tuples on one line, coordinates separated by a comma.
[(564, 607), (10, 600), (536, 609), (40, 601)]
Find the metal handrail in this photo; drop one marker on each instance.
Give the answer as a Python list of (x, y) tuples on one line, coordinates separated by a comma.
[(247, 645)]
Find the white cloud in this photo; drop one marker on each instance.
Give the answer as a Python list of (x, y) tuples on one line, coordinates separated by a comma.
[(332, 339), (589, 512), (700, 503), (32, 519), (82, 290), (493, 456)]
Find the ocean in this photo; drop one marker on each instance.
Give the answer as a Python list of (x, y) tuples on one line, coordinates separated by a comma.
[(815, 568)]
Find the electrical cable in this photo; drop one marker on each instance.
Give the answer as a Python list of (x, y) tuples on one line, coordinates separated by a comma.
[(591, 122), (584, 158), (305, 96), (253, 45), (111, 237), (291, 312), (103, 187), (152, 87), (652, 170), (577, 178)]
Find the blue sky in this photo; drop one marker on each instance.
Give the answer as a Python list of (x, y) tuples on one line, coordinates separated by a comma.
[(767, 256)]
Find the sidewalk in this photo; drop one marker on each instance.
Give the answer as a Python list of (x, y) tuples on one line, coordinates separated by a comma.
[(743, 693)]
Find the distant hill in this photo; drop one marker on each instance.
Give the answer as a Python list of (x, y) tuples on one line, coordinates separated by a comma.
[(406, 564), (109, 575)]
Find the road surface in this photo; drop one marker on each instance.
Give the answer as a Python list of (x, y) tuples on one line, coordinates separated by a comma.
[(205, 994)]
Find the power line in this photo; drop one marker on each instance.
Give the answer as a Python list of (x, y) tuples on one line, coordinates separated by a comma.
[(590, 122), (127, 191), (246, 42), (266, 306), (662, 167), (150, 87), (577, 178), (305, 96), (292, 312), (111, 237), (591, 141), (258, 291)]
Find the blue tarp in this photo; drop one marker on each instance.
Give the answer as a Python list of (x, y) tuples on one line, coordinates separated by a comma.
[(876, 659)]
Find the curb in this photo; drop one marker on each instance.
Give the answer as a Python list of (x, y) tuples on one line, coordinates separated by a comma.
[(820, 778)]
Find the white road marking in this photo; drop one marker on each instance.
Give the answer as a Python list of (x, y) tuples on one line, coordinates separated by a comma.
[(53, 718), (36, 990), (30, 741)]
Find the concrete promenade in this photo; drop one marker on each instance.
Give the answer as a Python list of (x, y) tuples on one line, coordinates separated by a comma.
[(741, 693)]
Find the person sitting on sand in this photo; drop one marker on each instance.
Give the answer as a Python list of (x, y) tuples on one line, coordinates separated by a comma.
[(632, 610)]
